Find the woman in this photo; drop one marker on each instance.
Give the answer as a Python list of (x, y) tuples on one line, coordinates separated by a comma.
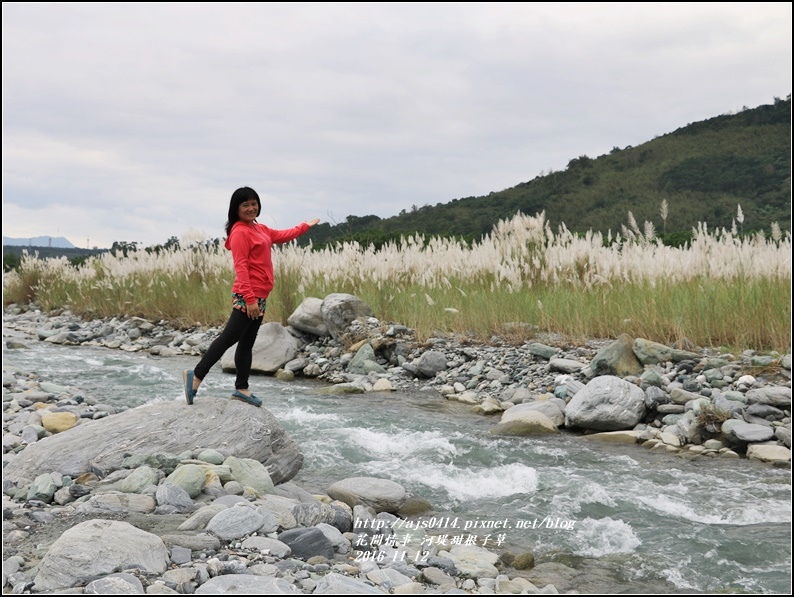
[(250, 244)]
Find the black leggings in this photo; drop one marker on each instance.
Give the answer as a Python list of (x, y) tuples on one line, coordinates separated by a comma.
[(239, 329)]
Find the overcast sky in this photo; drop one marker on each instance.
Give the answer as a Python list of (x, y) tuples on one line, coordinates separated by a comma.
[(136, 122)]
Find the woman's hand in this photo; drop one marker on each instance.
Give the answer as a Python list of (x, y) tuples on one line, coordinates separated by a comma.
[(252, 309), (313, 222)]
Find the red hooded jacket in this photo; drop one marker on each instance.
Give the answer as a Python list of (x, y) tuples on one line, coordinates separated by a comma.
[(253, 267)]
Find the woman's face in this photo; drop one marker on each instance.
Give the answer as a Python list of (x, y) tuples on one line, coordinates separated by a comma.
[(248, 210)]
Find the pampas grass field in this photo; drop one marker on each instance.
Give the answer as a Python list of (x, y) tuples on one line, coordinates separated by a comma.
[(723, 289)]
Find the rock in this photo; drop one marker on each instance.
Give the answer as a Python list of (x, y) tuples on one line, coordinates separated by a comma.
[(97, 548), (541, 350), (247, 584), (606, 403), (267, 545), (365, 361), (430, 363), (750, 432), (274, 348), (779, 396), (308, 317), (651, 353), (235, 522), (57, 422), (115, 584), (616, 437), (566, 365), (524, 561), (767, 453), (307, 542), (529, 422), (339, 310), (338, 584), (381, 495), (550, 408), (249, 472), (617, 358), (103, 444), (473, 561)]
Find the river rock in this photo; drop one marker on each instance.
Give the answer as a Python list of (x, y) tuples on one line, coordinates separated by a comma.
[(339, 310), (338, 584), (58, 422), (430, 363), (249, 472), (525, 422), (768, 453), (172, 427), (779, 396), (308, 317), (235, 522), (617, 358), (98, 548), (606, 403), (550, 408), (307, 542), (382, 495), (566, 365), (365, 361), (651, 353), (247, 584), (115, 584), (616, 437), (473, 561), (274, 348), (751, 432)]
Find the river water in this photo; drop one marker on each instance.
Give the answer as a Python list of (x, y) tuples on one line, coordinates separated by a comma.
[(658, 523)]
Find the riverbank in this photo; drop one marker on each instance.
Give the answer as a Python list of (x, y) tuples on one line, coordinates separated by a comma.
[(683, 400), (332, 359)]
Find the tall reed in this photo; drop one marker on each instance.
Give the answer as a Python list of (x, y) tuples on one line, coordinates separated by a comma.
[(518, 281)]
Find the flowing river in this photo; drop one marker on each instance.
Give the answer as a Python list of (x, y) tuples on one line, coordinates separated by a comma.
[(658, 523)]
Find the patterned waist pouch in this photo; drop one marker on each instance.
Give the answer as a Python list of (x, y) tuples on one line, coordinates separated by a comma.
[(238, 302)]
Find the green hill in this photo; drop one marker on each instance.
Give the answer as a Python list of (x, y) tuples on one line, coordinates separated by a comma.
[(704, 171)]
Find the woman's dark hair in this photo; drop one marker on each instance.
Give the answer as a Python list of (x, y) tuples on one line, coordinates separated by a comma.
[(241, 195)]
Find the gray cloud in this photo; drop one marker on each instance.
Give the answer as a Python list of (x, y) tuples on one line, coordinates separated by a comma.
[(136, 122)]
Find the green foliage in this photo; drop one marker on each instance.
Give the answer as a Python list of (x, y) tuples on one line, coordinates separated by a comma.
[(13, 253), (121, 247), (677, 239), (11, 261), (171, 244), (704, 170)]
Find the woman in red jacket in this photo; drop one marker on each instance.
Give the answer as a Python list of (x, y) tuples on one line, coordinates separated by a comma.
[(250, 244)]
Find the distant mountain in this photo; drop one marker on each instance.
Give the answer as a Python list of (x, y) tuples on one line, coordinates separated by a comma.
[(58, 242)]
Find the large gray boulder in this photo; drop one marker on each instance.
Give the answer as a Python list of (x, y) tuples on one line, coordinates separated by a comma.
[(274, 348), (308, 317), (606, 403), (98, 548), (339, 310), (173, 427)]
